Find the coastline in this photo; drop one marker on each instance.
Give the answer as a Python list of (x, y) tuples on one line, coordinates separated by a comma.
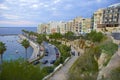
[(8, 34), (36, 49)]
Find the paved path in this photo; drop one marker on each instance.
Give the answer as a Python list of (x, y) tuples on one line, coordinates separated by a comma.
[(62, 73)]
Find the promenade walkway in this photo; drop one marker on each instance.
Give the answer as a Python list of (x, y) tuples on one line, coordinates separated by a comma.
[(62, 74), (36, 49)]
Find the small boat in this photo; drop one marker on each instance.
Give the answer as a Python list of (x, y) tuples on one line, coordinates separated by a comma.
[(16, 51)]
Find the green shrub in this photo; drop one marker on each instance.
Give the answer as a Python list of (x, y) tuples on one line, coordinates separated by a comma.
[(114, 75), (109, 47), (95, 36), (47, 69), (20, 70)]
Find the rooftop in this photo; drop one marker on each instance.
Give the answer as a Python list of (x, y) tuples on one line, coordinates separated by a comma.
[(115, 5)]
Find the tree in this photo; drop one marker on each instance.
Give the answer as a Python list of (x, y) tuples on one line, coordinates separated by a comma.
[(39, 39), (69, 35), (95, 36), (2, 50), (25, 43), (55, 36)]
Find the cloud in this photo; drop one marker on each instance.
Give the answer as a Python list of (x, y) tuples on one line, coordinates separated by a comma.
[(17, 22), (56, 1), (34, 6), (98, 1), (3, 7), (9, 16)]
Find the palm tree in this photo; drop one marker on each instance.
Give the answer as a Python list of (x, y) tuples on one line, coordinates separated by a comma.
[(2, 50), (25, 43)]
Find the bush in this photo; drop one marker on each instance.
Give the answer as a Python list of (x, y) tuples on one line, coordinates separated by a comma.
[(47, 70), (114, 75), (95, 36), (60, 60), (20, 70), (109, 47), (55, 36)]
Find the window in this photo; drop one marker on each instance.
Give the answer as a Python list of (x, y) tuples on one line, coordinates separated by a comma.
[(110, 16), (110, 20), (111, 10), (115, 20), (116, 10)]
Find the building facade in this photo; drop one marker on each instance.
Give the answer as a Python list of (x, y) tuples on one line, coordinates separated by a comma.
[(86, 25), (111, 18), (77, 25), (98, 19), (43, 28), (52, 27)]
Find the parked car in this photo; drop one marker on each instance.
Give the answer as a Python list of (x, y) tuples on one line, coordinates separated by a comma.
[(36, 62), (57, 56), (52, 61), (45, 61), (46, 51), (46, 54), (57, 53)]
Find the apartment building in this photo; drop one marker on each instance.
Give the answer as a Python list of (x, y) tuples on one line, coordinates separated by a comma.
[(77, 25), (111, 18), (69, 26), (52, 27), (86, 25), (98, 19), (43, 28)]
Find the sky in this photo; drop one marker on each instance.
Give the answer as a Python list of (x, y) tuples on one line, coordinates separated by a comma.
[(30, 13)]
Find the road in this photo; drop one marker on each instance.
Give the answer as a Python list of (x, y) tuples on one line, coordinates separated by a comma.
[(116, 35), (51, 54)]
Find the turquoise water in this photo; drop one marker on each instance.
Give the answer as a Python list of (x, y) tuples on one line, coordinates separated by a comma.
[(12, 45)]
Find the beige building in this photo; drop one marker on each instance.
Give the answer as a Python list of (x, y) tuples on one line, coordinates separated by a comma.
[(98, 19), (69, 26), (86, 25), (77, 25), (52, 27), (43, 28)]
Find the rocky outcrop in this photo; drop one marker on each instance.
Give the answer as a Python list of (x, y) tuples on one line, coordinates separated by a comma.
[(102, 60), (113, 64)]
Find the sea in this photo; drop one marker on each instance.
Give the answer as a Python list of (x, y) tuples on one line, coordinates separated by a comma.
[(9, 35)]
